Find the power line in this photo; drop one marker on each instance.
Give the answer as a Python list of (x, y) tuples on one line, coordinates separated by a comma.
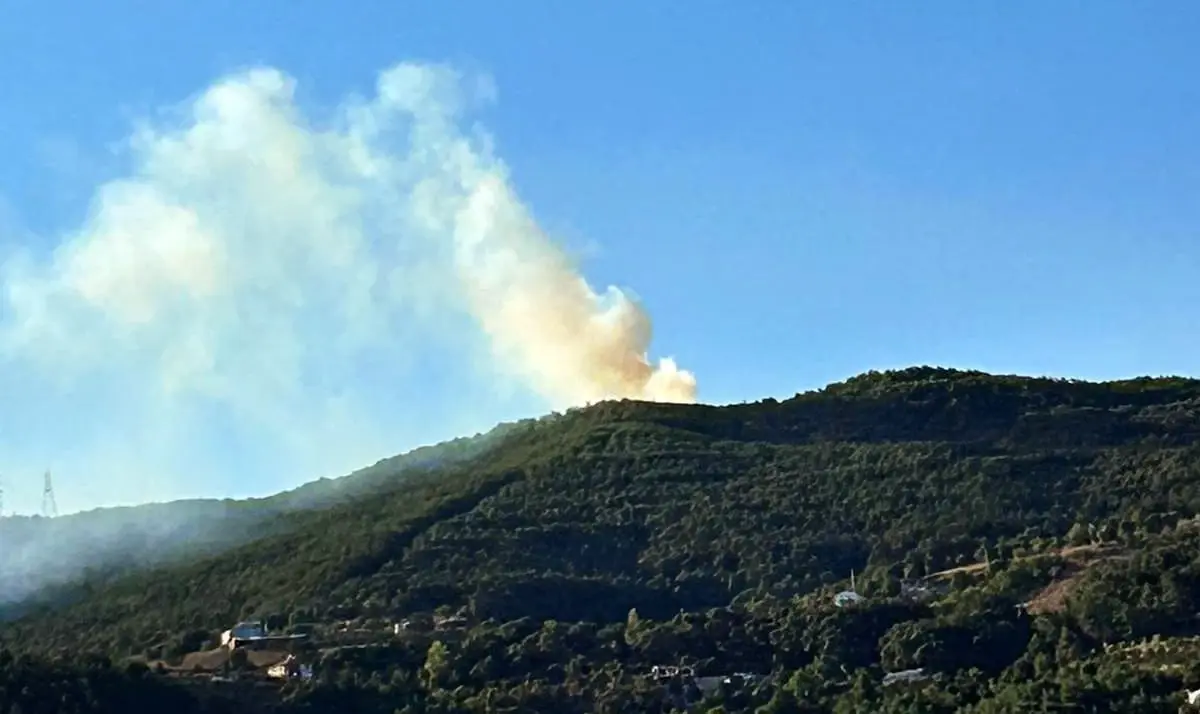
[(49, 506)]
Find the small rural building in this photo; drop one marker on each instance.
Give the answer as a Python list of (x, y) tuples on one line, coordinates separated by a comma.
[(290, 667), (908, 675), (242, 631), (253, 635)]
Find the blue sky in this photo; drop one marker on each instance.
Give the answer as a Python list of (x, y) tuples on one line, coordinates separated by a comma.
[(796, 192)]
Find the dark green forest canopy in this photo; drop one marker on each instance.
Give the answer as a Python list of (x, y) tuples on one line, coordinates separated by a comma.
[(728, 530)]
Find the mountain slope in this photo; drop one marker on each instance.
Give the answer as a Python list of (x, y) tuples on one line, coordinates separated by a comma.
[(668, 507), (38, 553)]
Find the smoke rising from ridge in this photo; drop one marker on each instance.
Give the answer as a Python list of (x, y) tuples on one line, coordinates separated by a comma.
[(253, 260), (542, 317)]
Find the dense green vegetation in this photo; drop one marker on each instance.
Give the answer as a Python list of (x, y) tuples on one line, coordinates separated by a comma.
[(587, 548), (38, 553), (90, 685)]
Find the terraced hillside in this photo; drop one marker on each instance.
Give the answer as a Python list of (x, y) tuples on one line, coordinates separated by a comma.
[(624, 514)]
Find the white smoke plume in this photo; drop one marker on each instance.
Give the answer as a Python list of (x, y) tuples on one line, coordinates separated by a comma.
[(544, 319), (254, 260)]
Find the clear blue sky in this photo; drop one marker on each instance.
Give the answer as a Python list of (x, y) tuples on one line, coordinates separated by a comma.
[(797, 191)]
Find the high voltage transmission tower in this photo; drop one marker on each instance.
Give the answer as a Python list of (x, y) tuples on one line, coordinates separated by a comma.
[(49, 506)]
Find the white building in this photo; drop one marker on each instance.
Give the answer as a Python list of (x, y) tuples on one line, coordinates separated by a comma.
[(848, 597), (242, 631), (908, 675), (290, 668)]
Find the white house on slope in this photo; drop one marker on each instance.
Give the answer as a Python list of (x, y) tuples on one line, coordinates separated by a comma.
[(242, 631)]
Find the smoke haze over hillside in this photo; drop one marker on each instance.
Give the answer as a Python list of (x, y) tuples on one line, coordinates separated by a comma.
[(261, 272)]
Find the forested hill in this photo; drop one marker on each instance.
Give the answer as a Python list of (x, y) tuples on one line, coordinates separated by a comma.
[(727, 530), (38, 553)]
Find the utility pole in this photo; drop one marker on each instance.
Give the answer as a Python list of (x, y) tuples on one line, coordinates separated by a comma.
[(49, 506)]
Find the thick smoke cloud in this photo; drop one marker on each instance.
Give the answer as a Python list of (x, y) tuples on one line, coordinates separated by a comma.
[(253, 259)]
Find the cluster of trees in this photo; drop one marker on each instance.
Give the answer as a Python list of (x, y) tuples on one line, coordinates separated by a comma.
[(92, 685), (589, 547), (979, 653)]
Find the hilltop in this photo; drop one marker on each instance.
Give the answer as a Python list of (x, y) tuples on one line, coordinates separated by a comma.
[(585, 548)]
